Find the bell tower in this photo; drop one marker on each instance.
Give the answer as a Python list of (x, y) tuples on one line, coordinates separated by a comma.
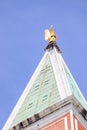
[(52, 99)]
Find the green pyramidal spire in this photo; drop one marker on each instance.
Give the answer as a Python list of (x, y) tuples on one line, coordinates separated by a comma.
[(50, 84)]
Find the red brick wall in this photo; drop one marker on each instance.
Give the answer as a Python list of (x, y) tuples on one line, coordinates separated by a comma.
[(63, 122), (59, 124), (80, 126)]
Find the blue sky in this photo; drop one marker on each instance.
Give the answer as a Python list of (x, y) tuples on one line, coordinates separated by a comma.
[(22, 25)]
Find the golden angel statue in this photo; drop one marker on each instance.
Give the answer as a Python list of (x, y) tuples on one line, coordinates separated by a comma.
[(50, 35)]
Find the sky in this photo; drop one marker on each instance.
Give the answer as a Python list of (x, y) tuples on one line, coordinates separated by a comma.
[(22, 25)]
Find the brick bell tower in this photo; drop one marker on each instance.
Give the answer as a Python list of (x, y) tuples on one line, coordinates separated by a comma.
[(52, 99)]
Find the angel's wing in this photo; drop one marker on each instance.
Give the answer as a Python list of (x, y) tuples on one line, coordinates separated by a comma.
[(47, 34)]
